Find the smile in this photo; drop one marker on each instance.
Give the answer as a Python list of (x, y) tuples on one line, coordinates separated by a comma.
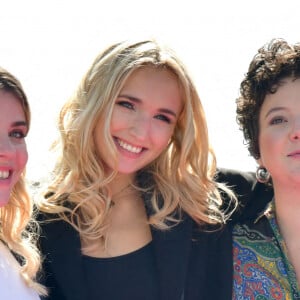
[(4, 174), (129, 148)]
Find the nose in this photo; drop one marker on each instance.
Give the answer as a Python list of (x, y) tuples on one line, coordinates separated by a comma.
[(140, 127), (295, 132)]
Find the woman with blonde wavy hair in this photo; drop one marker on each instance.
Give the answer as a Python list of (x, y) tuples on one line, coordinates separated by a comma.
[(17, 279), (133, 182)]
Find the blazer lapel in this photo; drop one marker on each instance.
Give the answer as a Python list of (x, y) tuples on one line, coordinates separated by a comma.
[(171, 250), (62, 245)]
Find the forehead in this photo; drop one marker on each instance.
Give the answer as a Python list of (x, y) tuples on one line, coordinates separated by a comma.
[(287, 92), (11, 105), (152, 71), (153, 83), (153, 79)]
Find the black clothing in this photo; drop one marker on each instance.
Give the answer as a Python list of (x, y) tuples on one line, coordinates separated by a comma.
[(130, 276), (191, 264)]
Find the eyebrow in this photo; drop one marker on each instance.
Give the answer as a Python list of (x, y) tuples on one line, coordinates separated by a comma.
[(20, 123), (137, 100), (275, 109)]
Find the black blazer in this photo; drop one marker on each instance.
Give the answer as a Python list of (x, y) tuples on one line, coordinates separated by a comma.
[(191, 263)]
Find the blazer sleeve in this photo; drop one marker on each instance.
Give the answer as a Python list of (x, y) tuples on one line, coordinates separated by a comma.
[(252, 195), (46, 276)]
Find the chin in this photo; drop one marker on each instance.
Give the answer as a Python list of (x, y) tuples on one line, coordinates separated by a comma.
[(127, 169), (127, 172)]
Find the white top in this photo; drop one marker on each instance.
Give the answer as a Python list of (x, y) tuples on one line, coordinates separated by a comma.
[(12, 285)]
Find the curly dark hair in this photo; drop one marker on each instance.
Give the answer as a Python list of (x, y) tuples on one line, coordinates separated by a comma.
[(273, 62)]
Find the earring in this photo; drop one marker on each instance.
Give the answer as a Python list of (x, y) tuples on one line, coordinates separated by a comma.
[(262, 175)]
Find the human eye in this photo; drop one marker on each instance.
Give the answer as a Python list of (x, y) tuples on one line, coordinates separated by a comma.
[(17, 134), (125, 104), (164, 118), (277, 120)]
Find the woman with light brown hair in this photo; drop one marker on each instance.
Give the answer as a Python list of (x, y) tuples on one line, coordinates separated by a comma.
[(17, 230)]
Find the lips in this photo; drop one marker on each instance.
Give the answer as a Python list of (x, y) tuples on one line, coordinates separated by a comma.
[(294, 154)]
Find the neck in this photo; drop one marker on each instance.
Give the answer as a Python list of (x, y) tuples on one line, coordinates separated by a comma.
[(122, 187), (120, 181), (287, 202)]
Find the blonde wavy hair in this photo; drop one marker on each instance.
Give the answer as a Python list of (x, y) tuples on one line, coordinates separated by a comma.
[(18, 230), (181, 178)]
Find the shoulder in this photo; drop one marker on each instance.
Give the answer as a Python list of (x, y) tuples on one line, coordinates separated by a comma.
[(252, 195), (235, 178), (54, 231), (253, 230), (211, 259), (12, 284)]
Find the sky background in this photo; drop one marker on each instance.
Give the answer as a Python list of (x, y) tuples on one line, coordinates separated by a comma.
[(49, 45)]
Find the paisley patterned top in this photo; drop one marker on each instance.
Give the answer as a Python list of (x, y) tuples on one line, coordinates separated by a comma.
[(260, 264)]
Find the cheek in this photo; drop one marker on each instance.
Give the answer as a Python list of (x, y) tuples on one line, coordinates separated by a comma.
[(162, 136), (20, 163), (22, 157), (263, 144), (269, 145), (118, 121)]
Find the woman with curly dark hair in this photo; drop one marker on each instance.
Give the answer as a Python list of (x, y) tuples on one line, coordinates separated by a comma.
[(267, 249)]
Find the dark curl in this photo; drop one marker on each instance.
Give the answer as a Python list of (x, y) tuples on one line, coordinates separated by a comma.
[(273, 62)]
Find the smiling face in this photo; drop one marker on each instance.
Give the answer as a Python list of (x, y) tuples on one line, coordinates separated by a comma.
[(143, 120), (13, 153), (279, 137)]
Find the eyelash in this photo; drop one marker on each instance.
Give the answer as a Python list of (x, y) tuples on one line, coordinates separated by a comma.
[(18, 134), (163, 118), (277, 120), (126, 104)]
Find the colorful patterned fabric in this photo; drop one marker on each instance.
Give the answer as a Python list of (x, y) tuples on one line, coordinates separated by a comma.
[(260, 265)]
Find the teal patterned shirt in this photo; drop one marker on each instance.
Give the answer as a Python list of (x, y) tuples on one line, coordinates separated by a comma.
[(261, 269)]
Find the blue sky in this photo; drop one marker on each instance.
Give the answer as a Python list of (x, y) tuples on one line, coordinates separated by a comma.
[(49, 45)]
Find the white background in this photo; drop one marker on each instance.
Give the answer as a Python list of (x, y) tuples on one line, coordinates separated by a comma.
[(49, 45)]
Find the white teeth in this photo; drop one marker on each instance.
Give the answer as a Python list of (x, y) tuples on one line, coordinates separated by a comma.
[(4, 174), (129, 147)]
